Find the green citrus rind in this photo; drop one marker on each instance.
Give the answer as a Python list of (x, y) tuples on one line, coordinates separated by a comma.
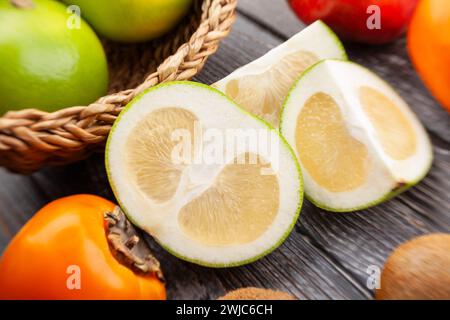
[(336, 39)]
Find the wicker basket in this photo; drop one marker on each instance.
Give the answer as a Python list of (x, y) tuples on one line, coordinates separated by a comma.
[(30, 139)]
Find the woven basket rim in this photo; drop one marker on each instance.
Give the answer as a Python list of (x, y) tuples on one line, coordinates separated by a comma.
[(30, 138)]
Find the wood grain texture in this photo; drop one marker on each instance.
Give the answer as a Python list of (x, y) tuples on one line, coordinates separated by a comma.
[(327, 255)]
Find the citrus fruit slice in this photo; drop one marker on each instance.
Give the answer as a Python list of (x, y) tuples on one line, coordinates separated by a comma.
[(261, 86), (211, 183), (357, 141)]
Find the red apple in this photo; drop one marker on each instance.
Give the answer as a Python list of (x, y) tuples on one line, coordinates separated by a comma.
[(366, 21)]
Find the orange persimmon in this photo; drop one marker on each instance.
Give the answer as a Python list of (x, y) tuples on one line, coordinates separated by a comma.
[(65, 252), (429, 46)]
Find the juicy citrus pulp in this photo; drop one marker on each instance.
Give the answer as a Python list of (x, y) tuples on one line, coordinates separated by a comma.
[(213, 213), (323, 138), (356, 139), (393, 129), (223, 213), (149, 149), (261, 86), (251, 91), (238, 207)]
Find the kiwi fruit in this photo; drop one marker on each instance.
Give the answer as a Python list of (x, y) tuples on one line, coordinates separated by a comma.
[(418, 269), (256, 294)]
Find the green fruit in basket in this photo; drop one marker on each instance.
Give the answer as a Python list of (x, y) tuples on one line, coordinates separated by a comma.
[(132, 20), (47, 62)]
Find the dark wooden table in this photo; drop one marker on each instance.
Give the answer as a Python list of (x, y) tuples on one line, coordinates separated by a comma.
[(327, 254)]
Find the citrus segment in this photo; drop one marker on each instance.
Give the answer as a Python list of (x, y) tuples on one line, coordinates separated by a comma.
[(263, 94), (149, 152), (334, 159), (237, 209), (395, 132)]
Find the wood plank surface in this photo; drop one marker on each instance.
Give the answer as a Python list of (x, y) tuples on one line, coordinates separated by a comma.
[(327, 255)]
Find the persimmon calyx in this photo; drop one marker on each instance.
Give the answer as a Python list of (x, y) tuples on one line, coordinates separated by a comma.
[(127, 246)]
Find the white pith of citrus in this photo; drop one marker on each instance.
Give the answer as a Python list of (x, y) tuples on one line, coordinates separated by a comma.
[(216, 214), (261, 86), (357, 141)]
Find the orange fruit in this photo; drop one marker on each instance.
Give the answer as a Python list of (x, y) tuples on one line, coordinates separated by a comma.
[(66, 239), (429, 46)]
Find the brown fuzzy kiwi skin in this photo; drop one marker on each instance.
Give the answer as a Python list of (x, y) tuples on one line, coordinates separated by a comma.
[(256, 294), (418, 270)]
